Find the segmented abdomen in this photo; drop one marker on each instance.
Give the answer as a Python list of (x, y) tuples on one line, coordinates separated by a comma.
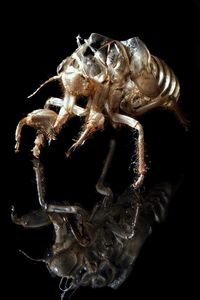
[(167, 81), (159, 198)]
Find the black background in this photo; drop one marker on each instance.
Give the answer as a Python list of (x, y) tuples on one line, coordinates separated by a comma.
[(35, 41)]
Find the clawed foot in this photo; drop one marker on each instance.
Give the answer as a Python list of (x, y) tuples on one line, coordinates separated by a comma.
[(73, 148), (15, 219), (17, 147), (43, 121), (84, 136)]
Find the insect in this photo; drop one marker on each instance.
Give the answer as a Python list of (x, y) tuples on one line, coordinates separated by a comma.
[(96, 248), (120, 81)]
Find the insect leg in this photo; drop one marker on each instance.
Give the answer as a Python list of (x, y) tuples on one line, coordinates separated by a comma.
[(39, 142), (42, 120), (18, 133), (65, 112), (35, 219), (77, 110), (95, 122), (100, 186), (64, 209), (141, 169), (153, 104), (58, 213), (51, 208), (53, 102)]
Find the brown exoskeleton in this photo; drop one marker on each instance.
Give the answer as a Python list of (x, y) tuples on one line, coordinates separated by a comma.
[(121, 80), (97, 248)]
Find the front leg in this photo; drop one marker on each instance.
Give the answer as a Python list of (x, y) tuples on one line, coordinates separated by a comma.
[(68, 108), (141, 168), (122, 233), (145, 105), (39, 142), (43, 120), (66, 111), (35, 219), (58, 102), (60, 214), (51, 208)]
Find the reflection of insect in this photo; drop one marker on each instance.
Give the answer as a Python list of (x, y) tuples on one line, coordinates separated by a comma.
[(97, 248), (120, 81)]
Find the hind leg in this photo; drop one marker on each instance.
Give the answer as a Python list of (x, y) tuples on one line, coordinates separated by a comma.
[(141, 168)]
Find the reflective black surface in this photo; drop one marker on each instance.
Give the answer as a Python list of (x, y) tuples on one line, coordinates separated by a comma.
[(36, 40)]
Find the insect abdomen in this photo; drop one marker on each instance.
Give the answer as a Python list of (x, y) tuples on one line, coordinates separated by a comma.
[(159, 198), (167, 81)]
